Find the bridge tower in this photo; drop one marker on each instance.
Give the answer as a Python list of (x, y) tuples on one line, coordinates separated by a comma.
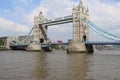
[(39, 34), (35, 44), (80, 29), (43, 29)]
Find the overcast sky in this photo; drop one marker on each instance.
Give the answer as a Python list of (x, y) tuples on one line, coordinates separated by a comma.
[(16, 16)]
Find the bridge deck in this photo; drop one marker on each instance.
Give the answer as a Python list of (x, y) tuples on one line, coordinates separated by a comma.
[(18, 47), (50, 44), (103, 43), (61, 20), (92, 43)]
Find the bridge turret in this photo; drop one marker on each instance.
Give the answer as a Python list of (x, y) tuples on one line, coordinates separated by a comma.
[(43, 29), (41, 17), (80, 29), (35, 20), (80, 4), (87, 11), (36, 30)]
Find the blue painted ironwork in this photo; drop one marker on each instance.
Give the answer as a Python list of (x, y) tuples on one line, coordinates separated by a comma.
[(103, 43), (68, 19), (22, 43), (101, 32), (51, 44), (87, 42), (27, 36), (61, 20)]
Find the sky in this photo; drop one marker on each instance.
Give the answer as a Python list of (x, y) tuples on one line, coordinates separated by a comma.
[(16, 16)]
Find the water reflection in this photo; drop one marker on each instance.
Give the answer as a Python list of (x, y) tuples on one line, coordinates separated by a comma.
[(105, 65), (59, 65), (40, 68), (55, 65), (78, 66)]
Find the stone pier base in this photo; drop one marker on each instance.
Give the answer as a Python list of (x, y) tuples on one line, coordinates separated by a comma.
[(34, 47), (78, 47)]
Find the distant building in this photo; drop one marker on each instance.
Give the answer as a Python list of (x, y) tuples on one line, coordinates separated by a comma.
[(7, 41), (4, 39), (103, 47), (116, 47)]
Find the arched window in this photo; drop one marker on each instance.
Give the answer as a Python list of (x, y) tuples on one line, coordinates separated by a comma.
[(84, 38), (41, 40)]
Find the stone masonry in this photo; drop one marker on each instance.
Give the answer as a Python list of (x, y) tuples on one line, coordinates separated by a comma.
[(80, 29)]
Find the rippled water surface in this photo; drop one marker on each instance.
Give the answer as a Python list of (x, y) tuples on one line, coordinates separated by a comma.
[(104, 65), (58, 65)]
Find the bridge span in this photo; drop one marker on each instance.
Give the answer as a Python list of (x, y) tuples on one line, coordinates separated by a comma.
[(81, 26)]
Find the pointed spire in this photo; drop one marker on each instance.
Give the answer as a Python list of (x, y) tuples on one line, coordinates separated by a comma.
[(80, 3), (40, 14), (41, 17), (35, 19), (87, 9)]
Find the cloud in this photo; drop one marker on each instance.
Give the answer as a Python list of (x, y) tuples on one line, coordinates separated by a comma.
[(54, 9), (30, 16), (105, 15), (51, 9), (11, 26)]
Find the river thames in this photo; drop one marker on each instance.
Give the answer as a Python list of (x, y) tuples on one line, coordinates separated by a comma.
[(58, 65)]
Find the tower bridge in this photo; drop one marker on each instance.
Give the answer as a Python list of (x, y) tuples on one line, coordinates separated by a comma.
[(80, 29), (81, 26)]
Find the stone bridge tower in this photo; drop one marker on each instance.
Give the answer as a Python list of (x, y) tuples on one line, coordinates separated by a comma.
[(39, 33), (43, 29), (80, 29)]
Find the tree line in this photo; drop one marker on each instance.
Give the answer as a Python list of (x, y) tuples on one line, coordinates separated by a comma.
[(1, 42)]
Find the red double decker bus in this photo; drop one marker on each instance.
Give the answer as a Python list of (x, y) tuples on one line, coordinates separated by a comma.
[(59, 41)]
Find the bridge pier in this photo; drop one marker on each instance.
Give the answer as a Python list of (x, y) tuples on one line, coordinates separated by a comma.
[(79, 47), (76, 47), (34, 47), (80, 30)]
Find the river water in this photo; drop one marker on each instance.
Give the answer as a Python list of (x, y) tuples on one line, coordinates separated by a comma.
[(58, 65)]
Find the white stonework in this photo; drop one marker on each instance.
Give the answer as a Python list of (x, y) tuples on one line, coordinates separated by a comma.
[(80, 29), (77, 47), (39, 33)]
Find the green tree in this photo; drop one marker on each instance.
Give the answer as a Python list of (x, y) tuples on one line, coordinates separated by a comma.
[(1, 42)]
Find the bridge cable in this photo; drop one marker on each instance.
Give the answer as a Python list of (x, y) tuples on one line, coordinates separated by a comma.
[(101, 32)]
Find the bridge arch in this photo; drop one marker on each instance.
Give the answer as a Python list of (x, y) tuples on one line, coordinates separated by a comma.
[(84, 38), (41, 40)]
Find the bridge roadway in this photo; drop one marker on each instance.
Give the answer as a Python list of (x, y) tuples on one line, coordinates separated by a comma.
[(19, 47), (103, 43), (50, 44), (56, 21), (88, 43), (24, 46)]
